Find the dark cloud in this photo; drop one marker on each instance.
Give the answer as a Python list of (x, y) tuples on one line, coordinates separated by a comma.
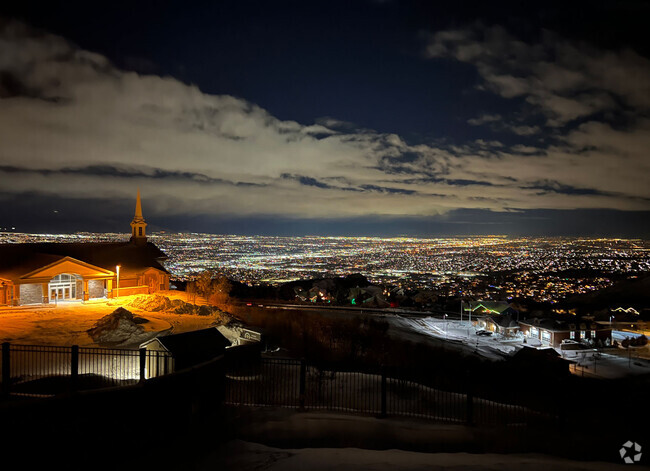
[(307, 181), (87, 214), (73, 126), (555, 187), (130, 173), (563, 80), (459, 182), (381, 189)]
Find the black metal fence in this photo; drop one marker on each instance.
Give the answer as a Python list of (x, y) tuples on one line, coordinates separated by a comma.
[(251, 380), (296, 384), (37, 370)]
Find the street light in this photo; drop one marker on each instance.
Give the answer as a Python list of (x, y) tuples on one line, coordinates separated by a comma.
[(444, 317), (117, 267)]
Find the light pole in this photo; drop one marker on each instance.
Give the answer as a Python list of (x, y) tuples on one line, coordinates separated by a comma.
[(117, 267), (444, 318)]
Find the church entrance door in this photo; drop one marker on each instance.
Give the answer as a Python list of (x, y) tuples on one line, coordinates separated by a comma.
[(63, 287)]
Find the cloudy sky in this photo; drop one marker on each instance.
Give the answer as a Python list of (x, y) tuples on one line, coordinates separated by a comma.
[(358, 117)]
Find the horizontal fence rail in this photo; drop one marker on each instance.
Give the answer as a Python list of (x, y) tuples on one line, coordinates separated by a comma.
[(37, 370), (293, 383), (250, 380)]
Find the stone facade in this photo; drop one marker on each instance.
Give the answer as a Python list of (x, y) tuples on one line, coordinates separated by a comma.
[(31, 294), (96, 288)]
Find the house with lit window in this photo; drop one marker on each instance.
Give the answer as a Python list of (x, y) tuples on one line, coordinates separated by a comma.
[(495, 316), (504, 325), (552, 332), (50, 272)]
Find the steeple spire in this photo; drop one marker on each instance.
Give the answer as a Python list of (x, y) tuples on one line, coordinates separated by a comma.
[(138, 207), (138, 225)]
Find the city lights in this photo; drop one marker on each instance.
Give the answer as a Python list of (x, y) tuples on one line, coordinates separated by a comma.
[(486, 267)]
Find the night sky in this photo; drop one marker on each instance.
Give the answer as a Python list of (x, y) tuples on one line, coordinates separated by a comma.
[(368, 117)]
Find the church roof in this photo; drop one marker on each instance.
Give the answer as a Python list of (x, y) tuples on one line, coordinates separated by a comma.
[(17, 260)]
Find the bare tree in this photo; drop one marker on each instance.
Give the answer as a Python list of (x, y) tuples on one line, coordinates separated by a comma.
[(204, 283), (220, 291), (190, 290)]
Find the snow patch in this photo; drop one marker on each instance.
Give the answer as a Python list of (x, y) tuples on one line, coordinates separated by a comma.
[(157, 303), (118, 327)]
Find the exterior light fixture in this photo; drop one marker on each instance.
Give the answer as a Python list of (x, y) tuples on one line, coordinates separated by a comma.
[(117, 268)]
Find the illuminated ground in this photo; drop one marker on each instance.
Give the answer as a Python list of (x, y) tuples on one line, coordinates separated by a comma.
[(66, 323), (610, 363)]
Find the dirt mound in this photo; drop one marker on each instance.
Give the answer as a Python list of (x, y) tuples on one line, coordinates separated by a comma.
[(156, 302), (150, 303), (118, 327)]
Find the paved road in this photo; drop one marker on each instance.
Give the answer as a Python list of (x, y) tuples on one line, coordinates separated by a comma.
[(357, 310)]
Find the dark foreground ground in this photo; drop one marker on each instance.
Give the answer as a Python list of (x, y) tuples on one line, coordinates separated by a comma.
[(179, 422), (277, 439), (242, 439), (251, 456)]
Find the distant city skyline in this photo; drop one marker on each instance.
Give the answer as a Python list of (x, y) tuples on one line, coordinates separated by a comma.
[(483, 267), (374, 118)]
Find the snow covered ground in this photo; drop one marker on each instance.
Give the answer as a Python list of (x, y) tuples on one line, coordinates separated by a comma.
[(67, 323), (610, 365), (456, 334), (278, 438), (243, 456), (461, 335)]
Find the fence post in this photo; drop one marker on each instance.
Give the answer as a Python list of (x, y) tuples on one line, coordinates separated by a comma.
[(74, 367), (383, 392), (470, 402), (143, 363), (6, 368), (303, 379)]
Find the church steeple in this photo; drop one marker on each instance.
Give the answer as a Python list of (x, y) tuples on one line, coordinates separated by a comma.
[(138, 226)]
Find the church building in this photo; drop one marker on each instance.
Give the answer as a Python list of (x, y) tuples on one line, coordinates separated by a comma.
[(50, 272)]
